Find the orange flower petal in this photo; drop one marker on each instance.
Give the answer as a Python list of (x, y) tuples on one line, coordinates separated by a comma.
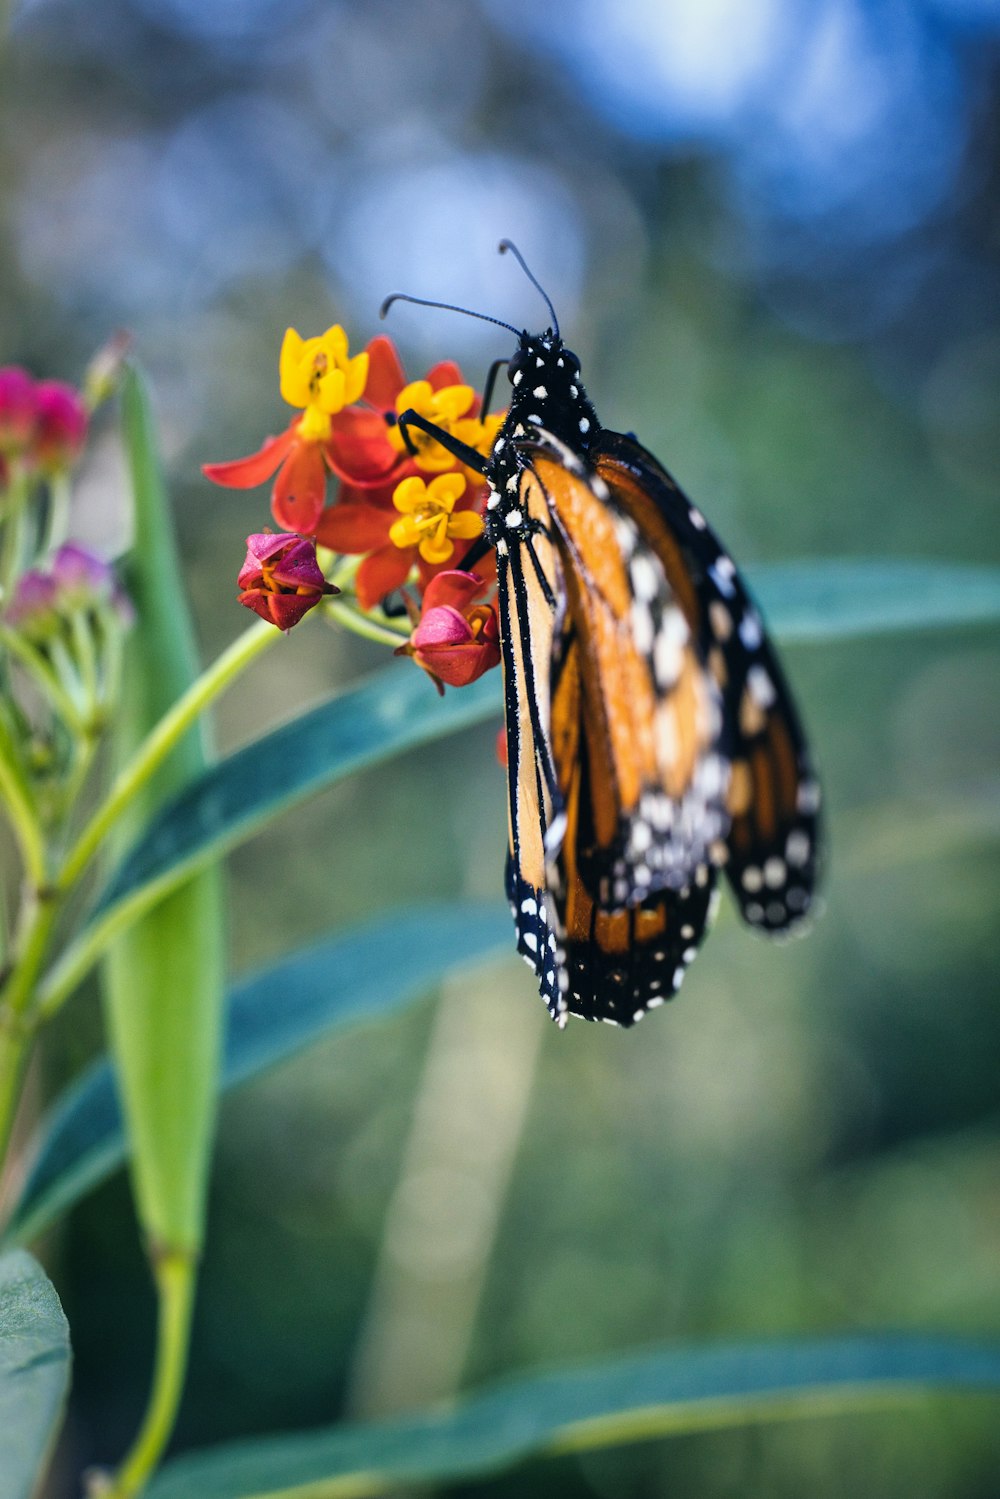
[(444, 374), (380, 573), (300, 490), (246, 473), (385, 374), (359, 449), (351, 529)]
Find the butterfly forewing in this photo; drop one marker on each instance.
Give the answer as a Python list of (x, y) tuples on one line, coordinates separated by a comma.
[(617, 793), (528, 584), (645, 714), (773, 795)]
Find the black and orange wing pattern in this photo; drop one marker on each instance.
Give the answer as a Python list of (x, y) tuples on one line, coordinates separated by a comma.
[(773, 798), (652, 740), (618, 780)]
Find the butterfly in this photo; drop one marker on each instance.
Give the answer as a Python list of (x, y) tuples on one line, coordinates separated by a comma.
[(653, 743)]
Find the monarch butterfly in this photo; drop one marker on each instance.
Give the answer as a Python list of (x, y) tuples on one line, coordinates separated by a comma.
[(652, 739)]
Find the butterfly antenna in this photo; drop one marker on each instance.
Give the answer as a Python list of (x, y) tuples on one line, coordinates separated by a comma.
[(508, 244), (401, 296)]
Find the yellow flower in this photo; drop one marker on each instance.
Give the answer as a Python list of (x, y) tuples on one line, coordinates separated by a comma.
[(444, 408), (427, 521), (318, 377)]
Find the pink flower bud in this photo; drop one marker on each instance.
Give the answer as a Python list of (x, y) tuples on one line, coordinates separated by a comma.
[(33, 608), (18, 409), (86, 581), (281, 579), (456, 640), (61, 426)]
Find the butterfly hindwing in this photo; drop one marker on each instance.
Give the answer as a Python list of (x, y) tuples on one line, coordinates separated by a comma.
[(773, 796)]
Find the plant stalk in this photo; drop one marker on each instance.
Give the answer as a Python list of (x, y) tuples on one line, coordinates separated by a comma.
[(175, 1274)]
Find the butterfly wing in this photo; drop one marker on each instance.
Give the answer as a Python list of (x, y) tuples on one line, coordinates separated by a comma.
[(773, 798), (529, 586), (617, 784)]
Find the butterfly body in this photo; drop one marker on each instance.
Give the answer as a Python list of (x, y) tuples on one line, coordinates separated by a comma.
[(546, 394), (652, 739)]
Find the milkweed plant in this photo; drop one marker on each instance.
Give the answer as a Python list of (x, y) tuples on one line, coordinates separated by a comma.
[(117, 815)]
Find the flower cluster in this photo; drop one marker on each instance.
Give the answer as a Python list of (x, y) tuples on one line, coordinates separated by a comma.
[(403, 504), (43, 424), (62, 612)]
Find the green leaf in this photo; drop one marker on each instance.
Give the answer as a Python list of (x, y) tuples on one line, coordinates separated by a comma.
[(391, 711), (164, 976), (652, 1394), (359, 975), (34, 1371), (843, 597), (395, 709)]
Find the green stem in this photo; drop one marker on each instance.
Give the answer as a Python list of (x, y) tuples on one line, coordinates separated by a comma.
[(57, 515), (175, 1286), (34, 662), (16, 1025), (13, 532), (158, 744), (76, 961), (14, 1038), (23, 819), (38, 917), (86, 660), (368, 627)]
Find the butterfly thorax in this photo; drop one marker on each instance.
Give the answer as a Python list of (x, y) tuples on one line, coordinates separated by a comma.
[(547, 396)]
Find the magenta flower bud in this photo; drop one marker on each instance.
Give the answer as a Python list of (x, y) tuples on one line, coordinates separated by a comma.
[(86, 581), (281, 579), (61, 426), (34, 603), (18, 409), (456, 640)]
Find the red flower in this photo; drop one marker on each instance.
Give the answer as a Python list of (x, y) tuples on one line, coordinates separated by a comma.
[(369, 456), (422, 527), (456, 640), (281, 579), (318, 377), (366, 450)]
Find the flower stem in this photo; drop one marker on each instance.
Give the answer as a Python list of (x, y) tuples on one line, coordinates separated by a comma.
[(57, 514), (159, 743), (76, 961), (15, 795), (174, 1271), (13, 532), (14, 1039), (47, 679), (368, 627), (17, 1025)]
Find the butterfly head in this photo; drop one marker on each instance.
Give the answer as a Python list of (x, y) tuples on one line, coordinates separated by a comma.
[(546, 391)]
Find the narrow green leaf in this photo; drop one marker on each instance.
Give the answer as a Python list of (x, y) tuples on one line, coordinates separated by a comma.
[(395, 709), (165, 977), (34, 1371), (646, 1395), (391, 711), (359, 975), (838, 598)]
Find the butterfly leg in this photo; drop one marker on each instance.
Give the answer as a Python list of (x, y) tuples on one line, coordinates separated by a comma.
[(491, 380), (459, 450)]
